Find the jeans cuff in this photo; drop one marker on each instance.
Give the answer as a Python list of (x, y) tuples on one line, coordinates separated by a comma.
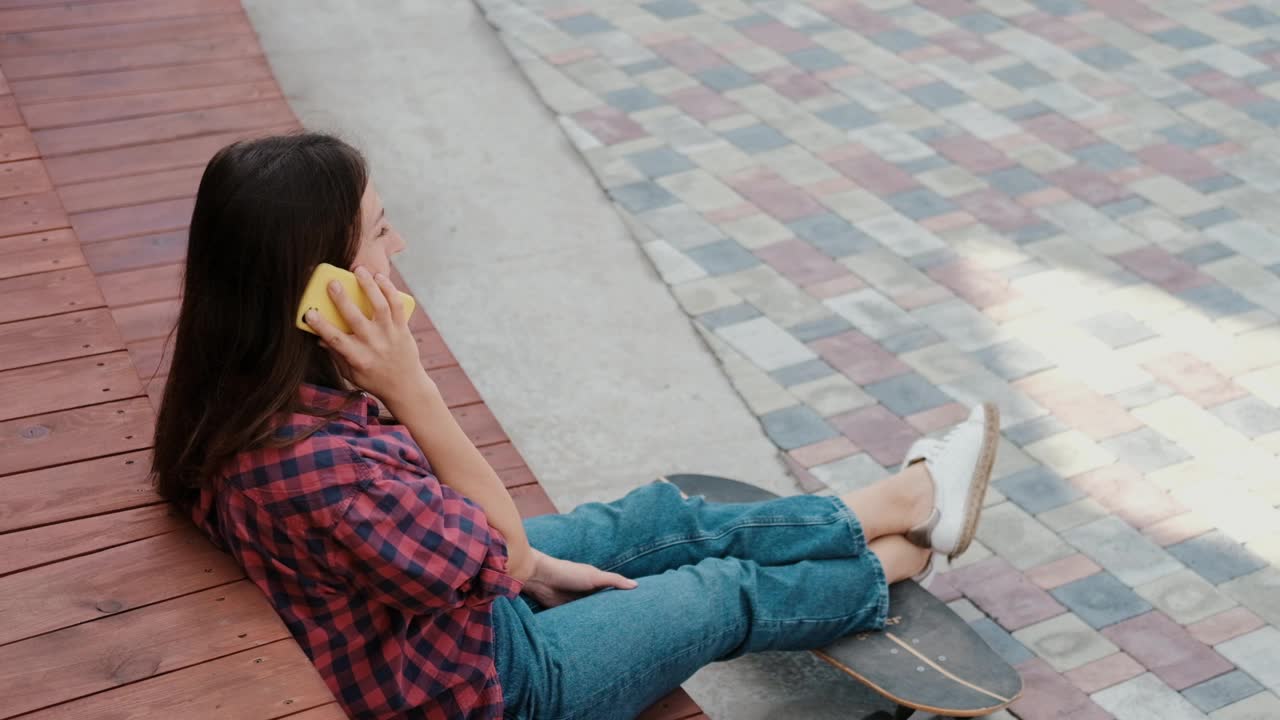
[(877, 570)]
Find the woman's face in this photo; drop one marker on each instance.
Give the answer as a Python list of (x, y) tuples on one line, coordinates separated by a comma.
[(378, 240)]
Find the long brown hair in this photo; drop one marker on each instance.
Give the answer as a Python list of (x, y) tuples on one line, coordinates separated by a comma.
[(266, 213)]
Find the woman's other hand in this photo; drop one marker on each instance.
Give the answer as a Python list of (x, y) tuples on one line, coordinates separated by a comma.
[(380, 355), (556, 582)]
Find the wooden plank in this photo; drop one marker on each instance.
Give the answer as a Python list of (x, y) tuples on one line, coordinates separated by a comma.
[(7, 4), (131, 190), (151, 357), (433, 351), (159, 128), (67, 384), (61, 493), (73, 61), (122, 162), (16, 143), (479, 424), (502, 456), (266, 682), (532, 500), (515, 477), (129, 646), (676, 706), (88, 587), (65, 436), (144, 285), (47, 100), (146, 321), (124, 35), (48, 293), (4, 84), (31, 214), (51, 543), (136, 252), (23, 178), (9, 114), (332, 711), (146, 219), (455, 387), (59, 337), (39, 252), (68, 113), (70, 15)]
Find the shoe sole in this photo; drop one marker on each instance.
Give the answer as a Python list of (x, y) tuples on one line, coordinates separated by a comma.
[(981, 478)]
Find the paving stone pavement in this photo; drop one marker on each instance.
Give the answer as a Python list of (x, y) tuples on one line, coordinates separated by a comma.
[(879, 212)]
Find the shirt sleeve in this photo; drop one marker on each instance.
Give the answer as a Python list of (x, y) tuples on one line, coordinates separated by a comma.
[(411, 543)]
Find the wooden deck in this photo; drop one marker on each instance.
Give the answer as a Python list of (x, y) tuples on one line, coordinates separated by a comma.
[(111, 604)]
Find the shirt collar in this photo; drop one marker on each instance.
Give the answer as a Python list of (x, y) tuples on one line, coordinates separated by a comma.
[(320, 400)]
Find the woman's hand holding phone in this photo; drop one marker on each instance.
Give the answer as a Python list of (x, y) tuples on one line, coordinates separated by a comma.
[(380, 355)]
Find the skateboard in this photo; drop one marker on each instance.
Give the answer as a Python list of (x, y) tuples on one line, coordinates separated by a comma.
[(927, 658)]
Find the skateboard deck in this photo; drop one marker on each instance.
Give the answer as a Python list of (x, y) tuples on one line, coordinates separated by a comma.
[(927, 657)]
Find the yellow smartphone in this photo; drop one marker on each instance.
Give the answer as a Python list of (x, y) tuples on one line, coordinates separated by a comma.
[(316, 296)]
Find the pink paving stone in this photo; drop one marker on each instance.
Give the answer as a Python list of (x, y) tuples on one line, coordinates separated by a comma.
[(965, 45), (778, 37), (609, 125), (837, 73), (1047, 196), (1158, 266), (808, 483), (1110, 89), (938, 418), (1077, 405), (1015, 308), (1059, 131), (1194, 378), (834, 288), (1125, 176), (996, 209), (1177, 528), (823, 452), (1061, 572), (884, 436), (1015, 141), (1167, 649), (856, 17), (689, 55), (703, 103), (1225, 88), (1178, 162), (950, 221), (1050, 27), (800, 262), (970, 153), (942, 588), (859, 357), (571, 56), (980, 287), (794, 84), (947, 8), (1005, 594), (565, 12), (1046, 695), (1223, 149), (775, 196), (833, 186), (924, 53), (661, 37), (734, 212), (1102, 674), (874, 174), (841, 152), (1088, 185), (1098, 122), (1121, 489), (1225, 625), (920, 298)]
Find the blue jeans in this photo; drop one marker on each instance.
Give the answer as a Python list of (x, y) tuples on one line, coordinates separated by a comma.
[(716, 581)]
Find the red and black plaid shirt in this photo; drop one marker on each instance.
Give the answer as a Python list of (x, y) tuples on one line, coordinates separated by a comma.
[(384, 576)]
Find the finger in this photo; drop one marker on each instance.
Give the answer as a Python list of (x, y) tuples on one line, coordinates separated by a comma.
[(331, 337), (355, 319), (393, 298), (617, 581), (381, 313)]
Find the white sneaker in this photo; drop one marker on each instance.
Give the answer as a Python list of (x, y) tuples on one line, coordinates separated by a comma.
[(960, 465), (925, 577)]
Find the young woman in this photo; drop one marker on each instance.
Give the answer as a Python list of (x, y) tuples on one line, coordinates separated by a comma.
[(391, 549)]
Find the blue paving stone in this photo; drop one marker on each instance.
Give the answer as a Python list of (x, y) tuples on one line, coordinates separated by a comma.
[(1250, 415), (907, 394), (1183, 38), (833, 235), (671, 9), (920, 203), (1117, 329), (816, 59), (929, 134), (1124, 206), (1023, 76), (897, 40), (1146, 449), (1190, 97), (981, 23), (752, 21), (1012, 360), (1252, 16), (1105, 57), (849, 116), (723, 256), (731, 315), (1061, 8), (1026, 111), (1105, 156), (937, 95), (584, 24), (1261, 47), (818, 329), (1124, 278), (1191, 136), (1031, 233), (1206, 253), (1190, 69), (1217, 300), (1023, 269), (660, 161), (1266, 112), (634, 99), (1101, 600), (756, 138), (923, 165), (1029, 431), (1005, 645), (932, 258), (1016, 181), (1209, 218), (1216, 557), (641, 196), (723, 79), (1208, 186), (796, 426), (1038, 489), (911, 340), (645, 66), (1223, 690), (1264, 77), (802, 372)]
